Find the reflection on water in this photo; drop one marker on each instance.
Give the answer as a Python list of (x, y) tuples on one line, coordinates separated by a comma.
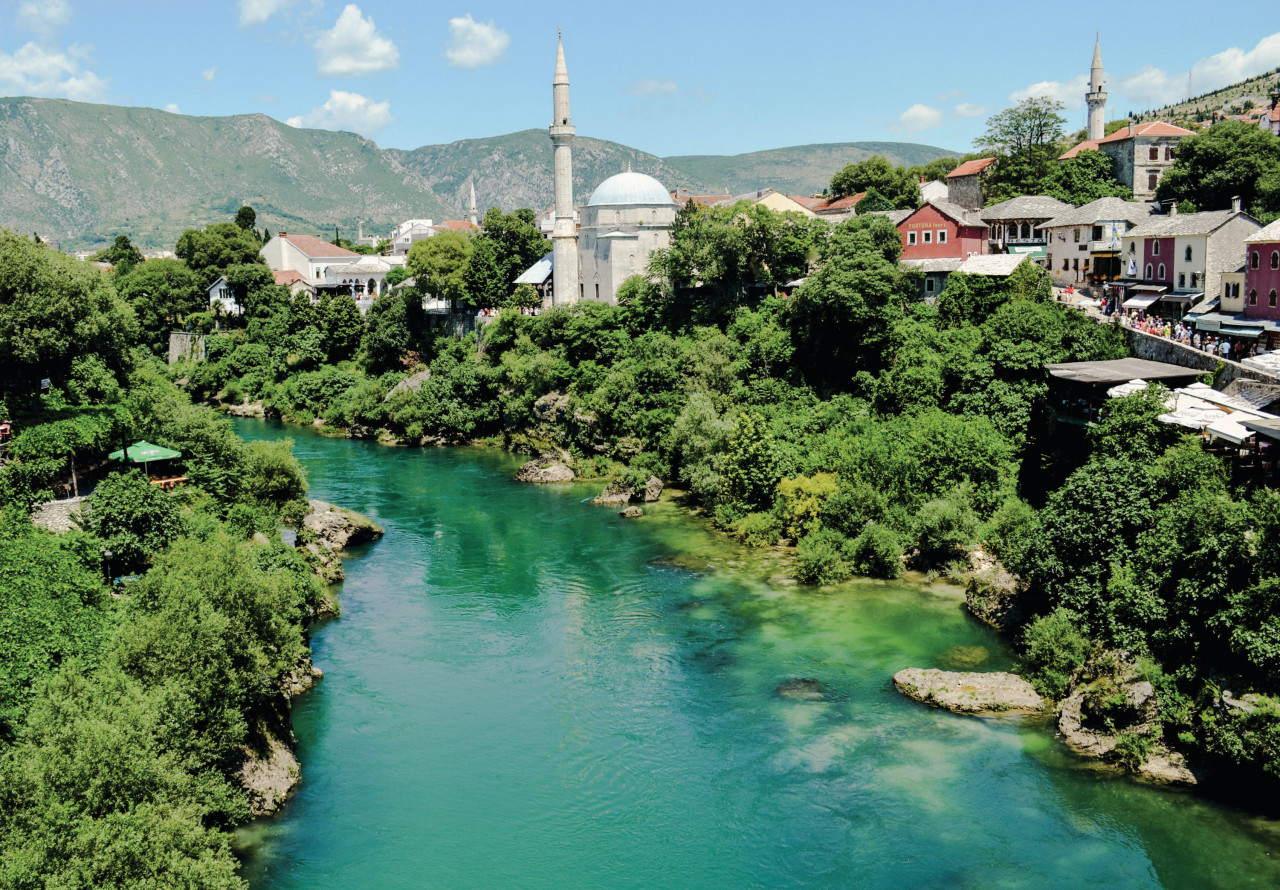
[(528, 691)]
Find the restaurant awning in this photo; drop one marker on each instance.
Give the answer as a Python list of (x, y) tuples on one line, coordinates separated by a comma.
[(1226, 428), (1231, 330), (1264, 427), (1140, 300), (1181, 298), (144, 453)]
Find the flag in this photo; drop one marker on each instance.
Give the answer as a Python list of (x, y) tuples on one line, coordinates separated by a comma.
[(1133, 269)]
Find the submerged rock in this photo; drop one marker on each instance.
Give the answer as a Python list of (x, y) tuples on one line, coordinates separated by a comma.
[(801, 689), (338, 527), (544, 470), (969, 693), (631, 513), (615, 494), (652, 490)]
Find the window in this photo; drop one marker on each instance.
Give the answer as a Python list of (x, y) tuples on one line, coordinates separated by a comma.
[(1133, 247), (1168, 152), (1195, 279), (911, 238), (1253, 298), (597, 291), (928, 285), (1182, 279), (1253, 259), (1275, 259), (1155, 248), (928, 236), (1076, 232), (1148, 275), (1066, 264), (1153, 153), (1271, 297), (1162, 275), (1235, 289), (1152, 181), (1097, 233), (942, 236), (1187, 255)]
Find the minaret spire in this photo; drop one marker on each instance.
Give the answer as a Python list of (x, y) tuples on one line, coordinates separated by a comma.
[(1096, 98), (471, 216), (564, 235)]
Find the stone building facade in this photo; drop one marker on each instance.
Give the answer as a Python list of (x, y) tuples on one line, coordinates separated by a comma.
[(1142, 153)]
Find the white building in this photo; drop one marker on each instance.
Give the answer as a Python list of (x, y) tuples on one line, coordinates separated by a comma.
[(324, 266), (221, 299)]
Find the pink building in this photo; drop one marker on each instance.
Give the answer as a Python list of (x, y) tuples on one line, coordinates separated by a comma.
[(1262, 273), (1157, 260), (940, 230)]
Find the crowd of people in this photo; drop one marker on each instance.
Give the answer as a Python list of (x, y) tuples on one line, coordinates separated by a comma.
[(1180, 332)]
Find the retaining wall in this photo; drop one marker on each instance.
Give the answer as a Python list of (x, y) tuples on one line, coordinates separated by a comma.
[(1160, 349), (184, 347)]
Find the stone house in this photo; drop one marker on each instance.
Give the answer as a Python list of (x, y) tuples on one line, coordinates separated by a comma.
[(1142, 153), (1017, 225), (965, 183), (1083, 243)]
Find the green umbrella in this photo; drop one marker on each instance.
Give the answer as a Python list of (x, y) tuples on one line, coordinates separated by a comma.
[(144, 453)]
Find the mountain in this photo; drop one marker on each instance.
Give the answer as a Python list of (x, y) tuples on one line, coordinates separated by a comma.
[(83, 173), (1254, 89)]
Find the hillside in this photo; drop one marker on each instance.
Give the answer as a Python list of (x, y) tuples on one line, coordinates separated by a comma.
[(82, 173), (1201, 106)]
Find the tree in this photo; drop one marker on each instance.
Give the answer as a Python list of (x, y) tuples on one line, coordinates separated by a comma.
[(1088, 176), (162, 293), (1026, 141), (211, 251), (486, 286), (343, 326), (246, 218), (935, 170), (871, 202), (121, 254), (133, 520), (439, 265), (1230, 159), (517, 242), (896, 184)]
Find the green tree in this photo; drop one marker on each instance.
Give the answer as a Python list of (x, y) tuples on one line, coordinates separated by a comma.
[(162, 293), (210, 252), (517, 242), (898, 185), (439, 265), (1088, 176), (873, 201), (343, 326), (246, 218), (485, 284), (1026, 140), (133, 519), (1230, 159), (121, 254)]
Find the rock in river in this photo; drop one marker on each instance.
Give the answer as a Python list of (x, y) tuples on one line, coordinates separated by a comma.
[(544, 470), (969, 693), (801, 689), (337, 527)]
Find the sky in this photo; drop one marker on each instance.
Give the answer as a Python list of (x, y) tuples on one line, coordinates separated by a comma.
[(671, 78)]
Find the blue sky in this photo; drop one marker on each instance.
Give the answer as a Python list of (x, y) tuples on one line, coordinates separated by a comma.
[(670, 78)]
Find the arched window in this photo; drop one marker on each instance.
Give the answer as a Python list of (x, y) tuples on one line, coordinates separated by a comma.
[(1148, 275), (1024, 231), (1187, 255), (1275, 259), (1253, 298), (1253, 259), (1162, 276), (1271, 297), (1133, 246), (1155, 247)]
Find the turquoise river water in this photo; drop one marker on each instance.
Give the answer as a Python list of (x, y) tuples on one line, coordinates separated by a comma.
[(525, 691)]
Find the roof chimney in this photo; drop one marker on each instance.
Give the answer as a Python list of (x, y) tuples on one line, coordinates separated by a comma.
[(1235, 204), (282, 234), (1173, 208)]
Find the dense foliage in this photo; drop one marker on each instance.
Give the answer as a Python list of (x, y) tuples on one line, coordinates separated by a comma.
[(1229, 160)]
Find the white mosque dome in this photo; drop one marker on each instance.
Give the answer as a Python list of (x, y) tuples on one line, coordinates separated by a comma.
[(630, 188)]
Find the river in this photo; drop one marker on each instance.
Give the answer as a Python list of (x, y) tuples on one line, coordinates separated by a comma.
[(525, 691)]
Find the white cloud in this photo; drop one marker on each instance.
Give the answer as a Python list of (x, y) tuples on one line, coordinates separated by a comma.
[(968, 109), (209, 73), (354, 46), (173, 108), (474, 44), (651, 86), (347, 111), (255, 12), (1155, 86), (918, 117), (1070, 93), (46, 17), (949, 95), (36, 71)]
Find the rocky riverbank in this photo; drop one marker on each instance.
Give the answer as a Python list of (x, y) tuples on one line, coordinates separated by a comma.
[(968, 692)]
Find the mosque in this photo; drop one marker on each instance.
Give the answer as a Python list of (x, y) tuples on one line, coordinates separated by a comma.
[(626, 217)]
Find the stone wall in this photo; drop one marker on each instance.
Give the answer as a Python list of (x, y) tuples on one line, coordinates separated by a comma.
[(966, 191), (184, 347), (1159, 349)]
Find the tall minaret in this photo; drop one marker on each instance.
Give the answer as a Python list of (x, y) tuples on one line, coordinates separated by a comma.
[(471, 214), (1096, 98), (564, 236)]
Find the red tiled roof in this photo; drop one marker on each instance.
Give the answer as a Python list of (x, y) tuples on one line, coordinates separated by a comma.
[(1155, 128), (287, 277), (311, 246), (836, 205), (457, 225), (809, 203), (1087, 145), (705, 200), (969, 168)]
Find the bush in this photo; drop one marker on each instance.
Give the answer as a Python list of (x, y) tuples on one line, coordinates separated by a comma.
[(1132, 750), (877, 552), (1013, 528), (274, 476), (1053, 648), (801, 500), (758, 529), (852, 506), (133, 519), (822, 558), (944, 527)]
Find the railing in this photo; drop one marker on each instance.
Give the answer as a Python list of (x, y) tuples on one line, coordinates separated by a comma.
[(1106, 245)]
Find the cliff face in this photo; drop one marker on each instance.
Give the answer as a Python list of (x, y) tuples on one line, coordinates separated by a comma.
[(83, 173)]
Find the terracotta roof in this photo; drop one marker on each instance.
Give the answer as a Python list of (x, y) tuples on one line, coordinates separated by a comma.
[(1155, 128), (287, 276), (838, 205), (810, 203), (457, 225), (969, 168), (311, 246), (1087, 145)]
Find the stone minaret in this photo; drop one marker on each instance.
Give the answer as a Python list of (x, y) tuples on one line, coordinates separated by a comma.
[(564, 236), (471, 211), (1096, 98)]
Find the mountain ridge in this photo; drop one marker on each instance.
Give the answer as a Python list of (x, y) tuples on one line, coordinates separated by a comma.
[(82, 173)]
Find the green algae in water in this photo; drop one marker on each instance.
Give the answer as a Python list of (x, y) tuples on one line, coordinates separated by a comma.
[(527, 691)]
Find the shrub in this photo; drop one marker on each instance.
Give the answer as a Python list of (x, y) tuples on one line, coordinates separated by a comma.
[(1132, 750), (801, 500), (852, 506), (1013, 528), (758, 529), (1053, 647), (822, 558), (877, 552), (944, 527), (133, 519)]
